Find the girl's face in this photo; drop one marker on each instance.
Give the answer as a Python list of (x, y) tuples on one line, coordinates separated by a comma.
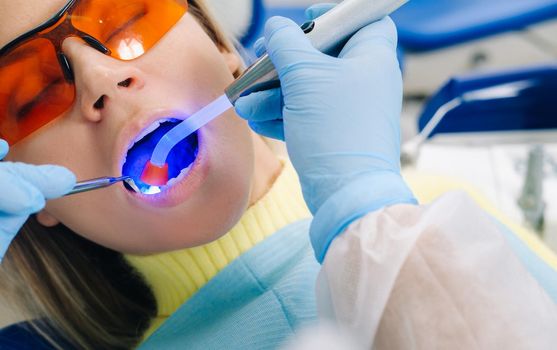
[(183, 72)]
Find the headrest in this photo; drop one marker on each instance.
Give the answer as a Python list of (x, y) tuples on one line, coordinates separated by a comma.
[(235, 16)]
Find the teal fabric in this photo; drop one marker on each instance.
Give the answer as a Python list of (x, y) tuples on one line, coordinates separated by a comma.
[(255, 303), (261, 298)]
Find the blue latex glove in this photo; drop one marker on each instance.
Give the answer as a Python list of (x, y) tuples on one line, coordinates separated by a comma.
[(24, 188), (340, 118)]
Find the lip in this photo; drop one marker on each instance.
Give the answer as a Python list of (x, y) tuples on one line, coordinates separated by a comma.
[(180, 190)]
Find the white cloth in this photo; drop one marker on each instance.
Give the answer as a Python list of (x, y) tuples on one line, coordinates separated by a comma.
[(440, 276)]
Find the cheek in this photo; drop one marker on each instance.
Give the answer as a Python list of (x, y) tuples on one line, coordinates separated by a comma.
[(63, 143), (192, 63)]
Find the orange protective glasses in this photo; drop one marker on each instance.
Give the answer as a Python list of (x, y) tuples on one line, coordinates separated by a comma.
[(36, 79)]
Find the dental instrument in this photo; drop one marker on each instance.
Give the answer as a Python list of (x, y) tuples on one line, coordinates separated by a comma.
[(101, 182), (326, 33)]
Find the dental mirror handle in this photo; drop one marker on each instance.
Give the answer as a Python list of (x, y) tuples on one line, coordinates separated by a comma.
[(95, 184), (326, 33)]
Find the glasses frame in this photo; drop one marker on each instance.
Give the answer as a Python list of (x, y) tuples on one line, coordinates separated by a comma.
[(57, 29), (52, 33)]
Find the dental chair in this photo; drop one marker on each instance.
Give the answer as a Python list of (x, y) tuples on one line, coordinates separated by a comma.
[(440, 38), (444, 38), (21, 336), (426, 25), (519, 99)]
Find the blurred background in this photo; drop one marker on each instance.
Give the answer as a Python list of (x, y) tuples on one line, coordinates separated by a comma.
[(480, 90)]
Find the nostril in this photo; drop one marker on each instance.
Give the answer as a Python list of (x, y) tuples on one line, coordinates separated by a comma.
[(126, 83), (100, 103)]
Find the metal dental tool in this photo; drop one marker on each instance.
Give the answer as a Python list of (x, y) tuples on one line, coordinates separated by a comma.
[(327, 33), (102, 182)]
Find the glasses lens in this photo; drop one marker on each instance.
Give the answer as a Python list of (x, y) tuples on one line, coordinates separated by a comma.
[(33, 90), (128, 27)]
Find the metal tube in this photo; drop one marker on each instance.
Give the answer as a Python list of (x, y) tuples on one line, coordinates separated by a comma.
[(94, 184)]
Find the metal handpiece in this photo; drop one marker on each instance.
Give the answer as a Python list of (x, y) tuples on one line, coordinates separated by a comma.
[(94, 184), (326, 34)]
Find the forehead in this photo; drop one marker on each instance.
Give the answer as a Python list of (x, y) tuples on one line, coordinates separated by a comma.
[(20, 16)]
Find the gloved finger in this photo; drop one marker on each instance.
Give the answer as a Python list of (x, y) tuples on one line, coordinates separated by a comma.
[(317, 10), (261, 105), (271, 128), (287, 44), (10, 227), (371, 38), (51, 180), (18, 196), (4, 148), (259, 47)]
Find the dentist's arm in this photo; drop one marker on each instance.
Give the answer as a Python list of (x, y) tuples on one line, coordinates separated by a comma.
[(24, 189), (340, 120), (397, 274)]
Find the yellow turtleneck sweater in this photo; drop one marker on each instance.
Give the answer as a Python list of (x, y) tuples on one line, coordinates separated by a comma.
[(174, 277)]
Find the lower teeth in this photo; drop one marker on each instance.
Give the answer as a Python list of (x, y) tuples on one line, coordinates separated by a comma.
[(174, 180)]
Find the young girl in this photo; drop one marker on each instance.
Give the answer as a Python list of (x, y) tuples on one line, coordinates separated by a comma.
[(92, 270)]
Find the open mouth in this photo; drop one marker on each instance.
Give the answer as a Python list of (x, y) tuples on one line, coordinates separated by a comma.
[(180, 158)]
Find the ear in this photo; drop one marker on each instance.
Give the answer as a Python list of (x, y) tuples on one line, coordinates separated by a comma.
[(232, 59), (45, 219)]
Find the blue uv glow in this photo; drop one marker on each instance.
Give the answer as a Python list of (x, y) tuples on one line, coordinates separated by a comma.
[(179, 158)]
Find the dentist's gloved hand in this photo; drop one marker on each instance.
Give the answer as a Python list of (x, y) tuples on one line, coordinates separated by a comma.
[(340, 120), (24, 188)]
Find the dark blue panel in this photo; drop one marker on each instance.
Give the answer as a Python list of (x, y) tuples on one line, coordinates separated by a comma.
[(21, 336), (534, 108), (431, 24), (257, 21)]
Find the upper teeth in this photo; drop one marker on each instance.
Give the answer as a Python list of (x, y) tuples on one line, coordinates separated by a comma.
[(152, 127)]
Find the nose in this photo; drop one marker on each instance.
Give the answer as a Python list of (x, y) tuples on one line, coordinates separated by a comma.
[(102, 82)]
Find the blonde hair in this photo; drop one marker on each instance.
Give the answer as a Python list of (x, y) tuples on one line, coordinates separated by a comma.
[(71, 287)]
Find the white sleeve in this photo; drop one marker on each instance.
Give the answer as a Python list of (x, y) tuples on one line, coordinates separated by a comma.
[(434, 277)]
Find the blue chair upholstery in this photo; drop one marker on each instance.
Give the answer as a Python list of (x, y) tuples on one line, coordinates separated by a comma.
[(257, 22), (533, 108), (21, 336), (425, 25), (432, 24)]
